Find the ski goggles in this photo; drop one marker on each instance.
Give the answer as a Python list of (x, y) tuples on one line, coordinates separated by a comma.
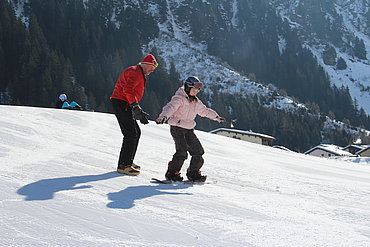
[(62, 97), (198, 85)]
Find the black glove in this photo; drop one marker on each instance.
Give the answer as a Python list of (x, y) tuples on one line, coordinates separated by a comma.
[(161, 120), (144, 120), (139, 114), (220, 119)]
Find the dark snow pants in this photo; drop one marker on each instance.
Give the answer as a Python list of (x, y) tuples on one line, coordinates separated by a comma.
[(186, 141), (130, 130)]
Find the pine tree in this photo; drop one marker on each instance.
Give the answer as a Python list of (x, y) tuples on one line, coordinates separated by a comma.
[(359, 48), (341, 64), (329, 56)]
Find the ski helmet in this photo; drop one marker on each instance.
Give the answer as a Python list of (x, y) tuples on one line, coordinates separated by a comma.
[(63, 96), (192, 82)]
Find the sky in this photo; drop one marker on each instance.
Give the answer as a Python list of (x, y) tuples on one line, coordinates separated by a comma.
[(58, 187)]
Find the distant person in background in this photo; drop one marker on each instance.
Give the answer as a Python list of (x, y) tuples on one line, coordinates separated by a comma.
[(180, 114), (63, 103), (125, 98)]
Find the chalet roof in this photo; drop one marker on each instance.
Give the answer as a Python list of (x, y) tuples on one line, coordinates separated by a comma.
[(363, 150), (330, 148), (243, 132), (359, 147)]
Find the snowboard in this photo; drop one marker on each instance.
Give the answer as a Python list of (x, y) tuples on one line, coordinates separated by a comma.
[(160, 181)]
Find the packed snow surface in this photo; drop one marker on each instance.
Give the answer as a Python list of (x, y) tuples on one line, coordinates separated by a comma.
[(58, 187)]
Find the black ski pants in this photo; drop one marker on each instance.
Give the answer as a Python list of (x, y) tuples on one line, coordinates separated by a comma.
[(130, 130), (186, 141)]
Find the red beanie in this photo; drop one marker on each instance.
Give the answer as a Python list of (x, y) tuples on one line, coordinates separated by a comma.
[(149, 60)]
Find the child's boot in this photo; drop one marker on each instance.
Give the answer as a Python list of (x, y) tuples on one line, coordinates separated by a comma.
[(173, 175), (195, 176)]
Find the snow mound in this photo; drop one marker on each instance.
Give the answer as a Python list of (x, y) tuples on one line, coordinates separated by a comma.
[(58, 188)]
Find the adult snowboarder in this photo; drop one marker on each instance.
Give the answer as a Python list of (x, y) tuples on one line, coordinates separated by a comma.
[(125, 99), (180, 114)]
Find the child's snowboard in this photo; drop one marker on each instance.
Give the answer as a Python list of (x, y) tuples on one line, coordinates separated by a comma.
[(159, 181)]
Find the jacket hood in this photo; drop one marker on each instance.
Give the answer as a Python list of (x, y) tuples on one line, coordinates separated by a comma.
[(181, 92)]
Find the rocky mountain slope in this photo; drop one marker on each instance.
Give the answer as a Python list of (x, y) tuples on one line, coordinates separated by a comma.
[(338, 34)]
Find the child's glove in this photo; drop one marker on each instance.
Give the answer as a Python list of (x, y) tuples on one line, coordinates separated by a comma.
[(139, 114), (220, 119), (161, 120)]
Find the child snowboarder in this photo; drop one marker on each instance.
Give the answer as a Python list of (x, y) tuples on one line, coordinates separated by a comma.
[(180, 114)]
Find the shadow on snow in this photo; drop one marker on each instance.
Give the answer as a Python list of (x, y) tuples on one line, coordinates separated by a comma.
[(126, 198), (46, 188)]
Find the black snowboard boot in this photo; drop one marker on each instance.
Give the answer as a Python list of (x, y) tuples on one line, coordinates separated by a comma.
[(173, 175), (195, 176)]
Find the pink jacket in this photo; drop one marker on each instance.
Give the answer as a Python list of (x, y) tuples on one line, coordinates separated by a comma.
[(182, 112)]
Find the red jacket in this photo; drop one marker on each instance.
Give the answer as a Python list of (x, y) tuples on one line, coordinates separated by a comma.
[(130, 85)]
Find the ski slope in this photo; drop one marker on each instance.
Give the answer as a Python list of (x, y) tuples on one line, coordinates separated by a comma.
[(58, 188)]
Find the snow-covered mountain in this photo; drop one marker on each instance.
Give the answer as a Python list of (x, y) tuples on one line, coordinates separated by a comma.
[(179, 43), (58, 188), (252, 56), (347, 21), (335, 25), (341, 25)]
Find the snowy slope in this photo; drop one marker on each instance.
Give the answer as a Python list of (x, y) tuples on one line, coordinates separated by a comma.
[(58, 188), (174, 41), (195, 60), (357, 75)]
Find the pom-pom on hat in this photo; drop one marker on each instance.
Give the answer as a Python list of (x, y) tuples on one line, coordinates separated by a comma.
[(150, 60)]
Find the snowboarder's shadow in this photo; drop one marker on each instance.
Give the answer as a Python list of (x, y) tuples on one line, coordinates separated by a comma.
[(46, 188), (126, 198)]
